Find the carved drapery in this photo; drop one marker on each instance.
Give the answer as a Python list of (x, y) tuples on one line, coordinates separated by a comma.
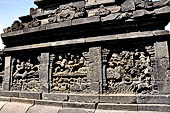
[(69, 72), (25, 73), (129, 70)]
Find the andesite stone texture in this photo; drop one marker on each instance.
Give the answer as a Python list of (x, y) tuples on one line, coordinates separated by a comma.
[(87, 56)]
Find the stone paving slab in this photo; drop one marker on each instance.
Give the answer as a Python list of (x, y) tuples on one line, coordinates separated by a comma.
[(15, 108), (114, 111), (70, 110), (43, 109), (2, 104)]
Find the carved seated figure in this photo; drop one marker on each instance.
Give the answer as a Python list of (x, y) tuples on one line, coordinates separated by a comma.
[(20, 69)]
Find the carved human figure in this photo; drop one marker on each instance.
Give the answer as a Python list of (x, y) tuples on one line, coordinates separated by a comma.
[(20, 69)]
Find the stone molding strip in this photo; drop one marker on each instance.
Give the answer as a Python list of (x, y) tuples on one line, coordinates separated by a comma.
[(131, 35)]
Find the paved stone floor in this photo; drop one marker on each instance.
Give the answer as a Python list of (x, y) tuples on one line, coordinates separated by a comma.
[(14, 107)]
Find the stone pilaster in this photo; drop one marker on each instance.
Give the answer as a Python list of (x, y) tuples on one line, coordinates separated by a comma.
[(7, 74), (44, 73), (95, 69), (162, 59), (161, 72)]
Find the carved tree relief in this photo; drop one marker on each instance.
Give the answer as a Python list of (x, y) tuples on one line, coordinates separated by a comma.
[(129, 70), (25, 73), (69, 72)]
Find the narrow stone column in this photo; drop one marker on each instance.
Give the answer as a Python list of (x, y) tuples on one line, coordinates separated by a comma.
[(162, 59), (161, 72), (44, 73), (95, 69), (7, 74)]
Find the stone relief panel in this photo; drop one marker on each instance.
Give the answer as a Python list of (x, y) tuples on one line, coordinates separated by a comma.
[(69, 72), (25, 73), (129, 70), (1, 70)]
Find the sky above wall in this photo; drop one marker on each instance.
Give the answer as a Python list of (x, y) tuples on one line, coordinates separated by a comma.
[(10, 10)]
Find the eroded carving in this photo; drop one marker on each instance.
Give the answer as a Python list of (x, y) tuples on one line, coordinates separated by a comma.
[(67, 13), (102, 11), (25, 74), (69, 73), (34, 23), (129, 71)]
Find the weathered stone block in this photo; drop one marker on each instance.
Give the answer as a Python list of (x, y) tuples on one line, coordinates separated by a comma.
[(153, 99), (55, 97), (48, 103), (110, 17), (5, 99), (154, 107), (79, 105), (138, 13), (84, 98), (128, 5), (118, 99), (44, 72), (110, 106), (7, 74), (15, 108), (9, 93), (95, 69), (22, 100), (93, 19), (73, 111), (162, 10), (163, 87), (43, 109), (58, 25), (30, 95)]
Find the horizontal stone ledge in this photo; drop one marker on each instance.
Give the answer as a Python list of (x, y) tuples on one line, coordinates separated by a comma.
[(111, 106), (131, 35), (30, 95), (69, 23), (153, 99), (9, 93), (154, 107), (22, 100)]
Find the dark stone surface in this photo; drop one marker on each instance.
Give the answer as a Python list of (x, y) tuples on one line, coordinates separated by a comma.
[(128, 5), (162, 60), (55, 97), (153, 99), (30, 95), (84, 98), (79, 105), (49, 103), (95, 70), (7, 74), (156, 108), (72, 111), (118, 99), (86, 20), (9, 93), (44, 72), (110, 106)]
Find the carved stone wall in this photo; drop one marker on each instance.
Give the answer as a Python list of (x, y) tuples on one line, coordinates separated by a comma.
[(129, 70), (68, 71), (25, 73)]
